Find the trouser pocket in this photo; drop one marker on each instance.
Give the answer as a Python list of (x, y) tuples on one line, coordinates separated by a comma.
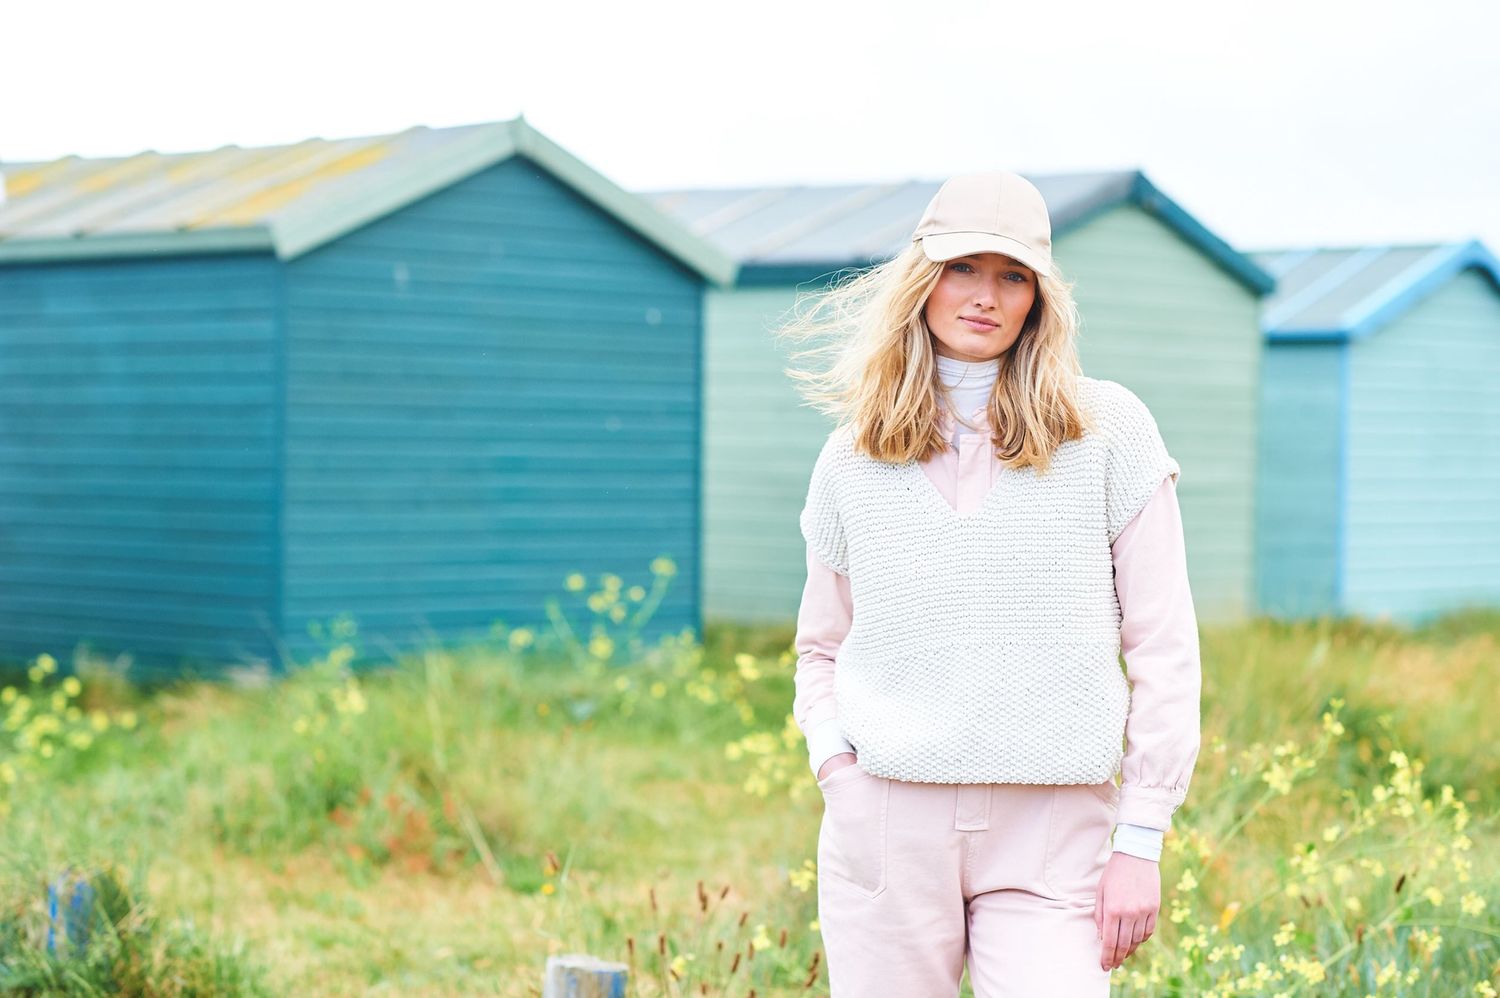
[(852, 838)]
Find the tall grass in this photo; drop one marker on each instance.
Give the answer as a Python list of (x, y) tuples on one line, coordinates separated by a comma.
[(442, 824)]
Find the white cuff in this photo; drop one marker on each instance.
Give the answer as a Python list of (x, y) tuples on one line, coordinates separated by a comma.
[(1138, 840), (824, 742)]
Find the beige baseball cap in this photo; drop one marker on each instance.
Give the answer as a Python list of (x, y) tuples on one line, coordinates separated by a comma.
[(991, 212)]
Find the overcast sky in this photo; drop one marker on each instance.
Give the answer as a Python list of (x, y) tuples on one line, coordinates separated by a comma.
[(1276, 123)]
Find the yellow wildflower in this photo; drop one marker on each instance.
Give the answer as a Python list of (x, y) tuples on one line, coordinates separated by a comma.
[(804, 877), (1425, 942)]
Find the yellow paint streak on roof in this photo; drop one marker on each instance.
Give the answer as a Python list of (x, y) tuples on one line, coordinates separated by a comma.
[(260, 204), (126, 169), (195, 165), (19, 183)]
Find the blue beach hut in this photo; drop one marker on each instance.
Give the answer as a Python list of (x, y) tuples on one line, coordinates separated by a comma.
[(415, 378), (1380, 440)]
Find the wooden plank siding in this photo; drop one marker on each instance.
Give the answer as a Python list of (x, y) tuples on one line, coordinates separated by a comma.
[(760, 441), (1423, 512), (1299, 497), (138, 405), (487, 390), (1167, 322)]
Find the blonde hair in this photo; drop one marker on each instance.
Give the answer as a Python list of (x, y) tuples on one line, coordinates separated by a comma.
[(882, 378)]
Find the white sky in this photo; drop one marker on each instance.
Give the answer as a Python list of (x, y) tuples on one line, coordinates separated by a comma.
[(1274, 123)]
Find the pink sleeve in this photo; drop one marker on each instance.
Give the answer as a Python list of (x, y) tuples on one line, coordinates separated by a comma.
[(826, 614), (1159, 639)]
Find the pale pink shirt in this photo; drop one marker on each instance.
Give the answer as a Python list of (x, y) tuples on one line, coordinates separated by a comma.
[(1158, 639)]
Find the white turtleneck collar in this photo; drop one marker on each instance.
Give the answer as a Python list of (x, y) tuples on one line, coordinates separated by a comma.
[(970, 384)]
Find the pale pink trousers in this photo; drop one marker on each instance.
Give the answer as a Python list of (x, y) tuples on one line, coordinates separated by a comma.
[(915, 880)]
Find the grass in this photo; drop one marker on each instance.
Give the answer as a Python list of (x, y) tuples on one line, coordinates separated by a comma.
[(443, 824)]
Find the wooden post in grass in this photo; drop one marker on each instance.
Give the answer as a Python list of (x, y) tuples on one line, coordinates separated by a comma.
[(578, 975), (70, 907)]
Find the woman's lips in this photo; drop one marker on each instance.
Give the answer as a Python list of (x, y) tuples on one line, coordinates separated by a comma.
[(979, 325)]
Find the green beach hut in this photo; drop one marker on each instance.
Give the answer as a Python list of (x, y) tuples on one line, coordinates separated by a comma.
[(1169, 310)]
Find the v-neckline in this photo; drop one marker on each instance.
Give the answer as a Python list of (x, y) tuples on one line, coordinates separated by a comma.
[(914, 466)]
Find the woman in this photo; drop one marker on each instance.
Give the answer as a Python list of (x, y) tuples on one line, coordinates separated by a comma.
[(987, 530)]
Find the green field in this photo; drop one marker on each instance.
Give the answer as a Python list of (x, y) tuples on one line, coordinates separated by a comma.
[(442, 824)]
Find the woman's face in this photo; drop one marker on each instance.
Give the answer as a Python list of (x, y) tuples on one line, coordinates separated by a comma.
[(977, 308)]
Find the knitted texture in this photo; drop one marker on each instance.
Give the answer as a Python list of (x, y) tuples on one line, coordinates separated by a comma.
[(984, 646)]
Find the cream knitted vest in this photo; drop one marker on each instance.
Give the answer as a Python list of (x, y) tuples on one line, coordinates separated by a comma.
[(984, 647)]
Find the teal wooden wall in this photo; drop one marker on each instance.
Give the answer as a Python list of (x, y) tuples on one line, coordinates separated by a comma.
[(1160, 318), (1423, 530), (426, 424), (493, 387), (137, 462), (1299, 497)]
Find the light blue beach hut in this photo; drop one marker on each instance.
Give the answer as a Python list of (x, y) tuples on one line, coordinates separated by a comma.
[(1380, 446)]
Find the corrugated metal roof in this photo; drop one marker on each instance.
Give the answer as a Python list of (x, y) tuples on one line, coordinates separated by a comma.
[(229, 186), (287, 198), (845, 223), (779, 230), (1343, 292)]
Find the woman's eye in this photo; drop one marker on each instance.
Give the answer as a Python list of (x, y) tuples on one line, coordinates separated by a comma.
[(957, 265)]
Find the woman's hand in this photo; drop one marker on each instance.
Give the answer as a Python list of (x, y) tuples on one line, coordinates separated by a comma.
[(1125, 911), (835, 763)]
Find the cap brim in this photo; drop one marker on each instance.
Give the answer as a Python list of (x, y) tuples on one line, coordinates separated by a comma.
[(943, 246)]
